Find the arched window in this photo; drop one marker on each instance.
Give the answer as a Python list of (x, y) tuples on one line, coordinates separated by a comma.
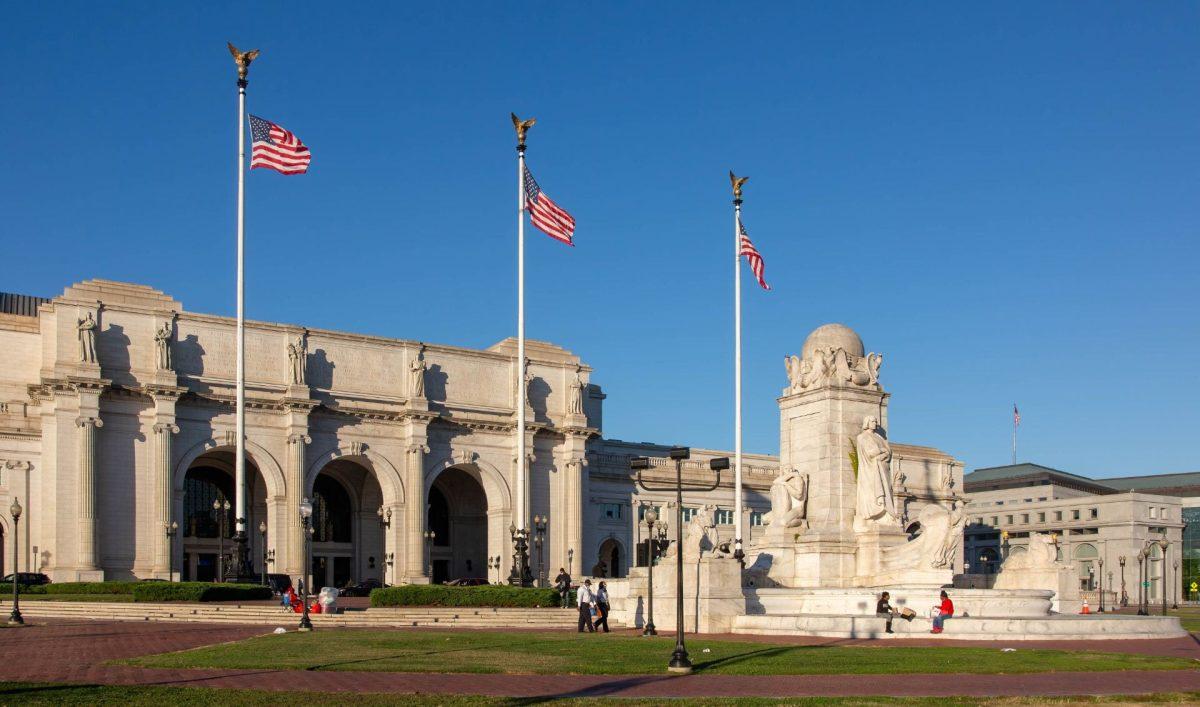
[(201, 487), (331, 511)]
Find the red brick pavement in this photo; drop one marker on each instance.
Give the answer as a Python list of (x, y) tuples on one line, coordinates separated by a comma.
[(77, 651)]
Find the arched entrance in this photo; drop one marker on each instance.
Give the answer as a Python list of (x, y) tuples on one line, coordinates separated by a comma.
[(458, 516), (611, 562), (348, 542), (1085, 557), (209, 479)]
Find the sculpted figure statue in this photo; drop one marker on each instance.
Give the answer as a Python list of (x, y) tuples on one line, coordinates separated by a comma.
[(876, 501), (416, 372), (296, 354), (793, 365), (162, 341), (575, 405), (874, 362), (1042, 553), (789, 501), (936, 544), (86, 329)]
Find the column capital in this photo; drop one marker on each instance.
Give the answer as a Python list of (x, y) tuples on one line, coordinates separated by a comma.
[(166, 427), (17, 464), (299, 438), (86, 421), (417, 449)]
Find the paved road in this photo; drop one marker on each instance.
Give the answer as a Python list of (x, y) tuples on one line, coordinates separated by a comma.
[(75, 651)]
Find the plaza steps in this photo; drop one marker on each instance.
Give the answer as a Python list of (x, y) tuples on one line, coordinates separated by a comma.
[(268, 615), (1056, 627)]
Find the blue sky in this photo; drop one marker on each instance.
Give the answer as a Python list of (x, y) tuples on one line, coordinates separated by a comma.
[(1003, 200)]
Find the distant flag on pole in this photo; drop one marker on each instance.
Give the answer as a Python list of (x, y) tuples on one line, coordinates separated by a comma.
[(276, 148), (1016, 416), (548, 216), (752, 256)]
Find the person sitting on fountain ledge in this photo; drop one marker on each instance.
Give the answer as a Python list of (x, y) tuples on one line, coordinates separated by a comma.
[(942, 612), (885, 610)]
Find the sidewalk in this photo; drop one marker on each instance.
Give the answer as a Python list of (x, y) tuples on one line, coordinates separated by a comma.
[(77, 651)]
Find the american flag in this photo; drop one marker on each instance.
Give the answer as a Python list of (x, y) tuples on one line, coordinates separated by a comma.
[(1016, 416), (547, 215), (276, 148), (752, 256)]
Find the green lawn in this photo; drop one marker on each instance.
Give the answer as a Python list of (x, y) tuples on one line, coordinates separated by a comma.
[(63, 694), (571, 653)]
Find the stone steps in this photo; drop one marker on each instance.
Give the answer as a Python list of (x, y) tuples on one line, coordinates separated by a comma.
[(466, 617), (1056, 627)]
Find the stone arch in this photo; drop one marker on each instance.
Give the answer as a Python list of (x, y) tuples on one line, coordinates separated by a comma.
[(495, 486), (390, 480), (263, 460), (612, 554)]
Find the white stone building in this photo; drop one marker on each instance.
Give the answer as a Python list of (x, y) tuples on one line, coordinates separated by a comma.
[(117, 421)]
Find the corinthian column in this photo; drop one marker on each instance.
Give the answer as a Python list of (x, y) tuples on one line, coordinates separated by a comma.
[(414, 515), (86, 507), (163, 434), (291, 512)]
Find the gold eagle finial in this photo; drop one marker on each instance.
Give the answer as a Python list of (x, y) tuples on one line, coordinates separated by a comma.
[(242, 59), (522, 127), (737, 183)]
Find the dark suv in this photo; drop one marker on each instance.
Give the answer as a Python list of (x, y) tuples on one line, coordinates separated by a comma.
[(27, 579)]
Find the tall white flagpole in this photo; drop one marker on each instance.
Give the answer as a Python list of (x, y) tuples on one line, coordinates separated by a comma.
[(737, 373), (243, 60), (522, 471), (1014, 439)]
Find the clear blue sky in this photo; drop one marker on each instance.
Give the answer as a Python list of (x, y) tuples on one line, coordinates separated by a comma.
[(1003, 200)]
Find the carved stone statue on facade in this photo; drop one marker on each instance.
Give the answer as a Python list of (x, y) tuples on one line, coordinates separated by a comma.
[(162, 344), (526, 381), (86, 329), (831, 364), (575, 404), (875, 502), (297, 352), (789, 501), (416, 372)]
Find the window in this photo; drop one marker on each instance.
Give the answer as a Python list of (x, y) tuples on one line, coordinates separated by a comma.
[(1042, 498), (1162, 513), (1008, 520), (1093, 513), (978, 521), (756, 518), (1153, 512), (999, 503), (1057, 515), (610, 511), (1075, 514), (724, 516), (1029, 500), (1024, 517), (1041, 517), (689, 512), (995, 521)]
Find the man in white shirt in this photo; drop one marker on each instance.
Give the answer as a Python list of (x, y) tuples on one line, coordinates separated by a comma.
[(586, 599)]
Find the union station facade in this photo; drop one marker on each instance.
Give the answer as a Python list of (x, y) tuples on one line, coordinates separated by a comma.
[(117, 424)]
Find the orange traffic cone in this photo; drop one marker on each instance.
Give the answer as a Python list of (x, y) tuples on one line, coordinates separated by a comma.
[(1086, 608)]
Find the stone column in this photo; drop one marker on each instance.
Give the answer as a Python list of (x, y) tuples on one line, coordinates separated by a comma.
[(413, 559), (86, 506), (296, 443), (164, 433)]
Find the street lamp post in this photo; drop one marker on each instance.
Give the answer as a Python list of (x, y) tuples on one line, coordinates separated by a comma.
[(172, 529), (1142, 583), (1101, 585), (222, 510), (521, 575), (1175, 588), (262, 534), (539, 538), (651, 519), (1124, 594), (679, 658), (15, 618), (1163, 544), (429, 536), (306, 510)]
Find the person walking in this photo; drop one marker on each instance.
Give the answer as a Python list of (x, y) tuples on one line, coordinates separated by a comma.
[(884, 609), (942, 612), (602, 607), (562, 583), (587, 599)]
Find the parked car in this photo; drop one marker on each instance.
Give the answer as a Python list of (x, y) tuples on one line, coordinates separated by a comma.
[(466, 582), (28, 579), (362, 589), (279, 583)]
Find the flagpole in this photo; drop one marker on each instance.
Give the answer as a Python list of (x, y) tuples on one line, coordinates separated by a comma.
[(737, 374), (1014, 436), (522, 471), (242, 59)]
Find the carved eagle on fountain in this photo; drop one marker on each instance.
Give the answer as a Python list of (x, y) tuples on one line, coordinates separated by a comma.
[(242, 59), (737, 183), (522, 127)]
